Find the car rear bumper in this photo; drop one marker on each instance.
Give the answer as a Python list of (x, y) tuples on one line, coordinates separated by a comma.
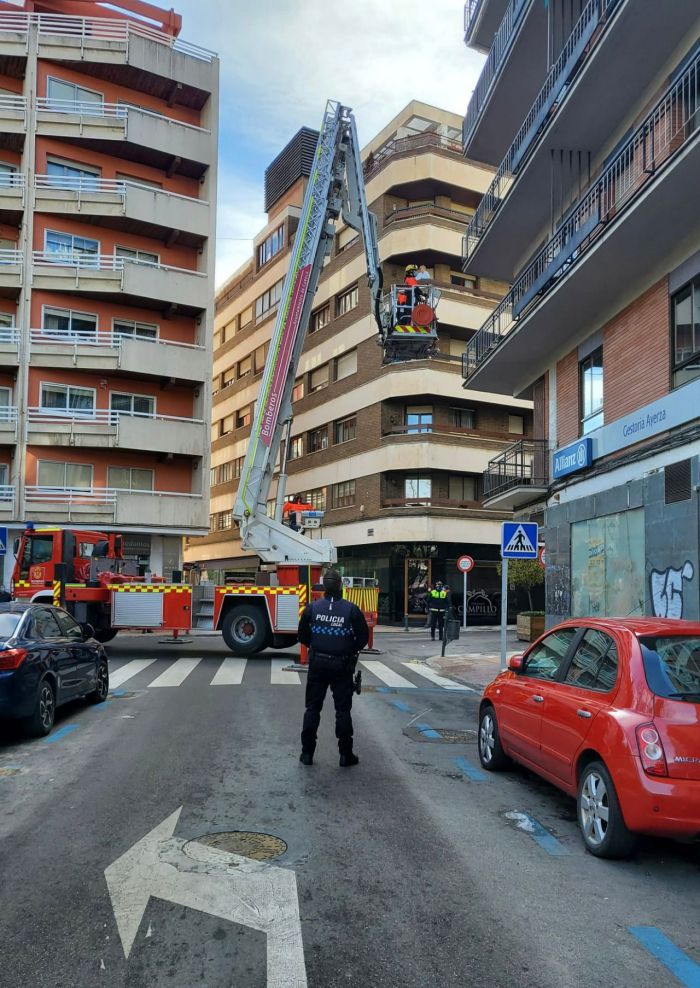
[(17, 695), (663, 807)]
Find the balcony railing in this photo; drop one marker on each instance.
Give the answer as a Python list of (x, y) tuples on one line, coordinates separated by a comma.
[(408, 145), (9, 335), (113, 111), (97, 262), (425, 209), (559, 78), (652, 146), (97, 416), (9, 257), (110, 339), (470, 9), (524, 464), (13, 104), (90, 29), (8, 414), (11, 180), (494, 60), (7, 495), (90, 185), (91, 495), (427, 502)]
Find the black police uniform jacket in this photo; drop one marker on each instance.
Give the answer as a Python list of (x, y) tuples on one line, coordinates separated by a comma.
[(333, 626)]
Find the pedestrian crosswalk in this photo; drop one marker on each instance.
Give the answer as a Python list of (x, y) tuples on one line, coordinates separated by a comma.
[(160, 673)]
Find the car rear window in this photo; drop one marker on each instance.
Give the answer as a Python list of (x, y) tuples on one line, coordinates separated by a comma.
[(8, 623), (672, 666)]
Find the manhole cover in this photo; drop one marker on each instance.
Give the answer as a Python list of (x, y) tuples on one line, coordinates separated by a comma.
[(259, 847)]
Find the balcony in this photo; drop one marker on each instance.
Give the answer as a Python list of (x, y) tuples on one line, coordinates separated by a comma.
[(134, 133), (125, 205), (157, 285), (157, 511), (7, 502), (9, 346), (481, 20), (8, 425), (10, 272), (101, 352), (509, 81), (101, 428), (401, 147), (608, 35), (12, 199), (13, 121), (517, 476), (602, 256)]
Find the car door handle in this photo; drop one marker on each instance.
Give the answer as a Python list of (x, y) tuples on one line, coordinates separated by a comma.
[(538, 699), (584, 713)]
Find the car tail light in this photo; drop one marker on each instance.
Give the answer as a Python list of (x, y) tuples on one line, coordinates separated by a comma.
[(651, 750), (12, 658)]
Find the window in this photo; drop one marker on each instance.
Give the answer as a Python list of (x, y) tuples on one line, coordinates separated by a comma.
[(268, 301), (237, 467), (346, 365), (417, 489), (591, 391), (126, 404), (6, 174), (545, 659), (64, 476), (128, 327), (137, 256), (344, 494), (66, 246), (316, 497), (457, 348), (4, 475), (68, 625), (298, 390), (59, 91), (318, 439), (64, 398), (138, 180), (222, 473), (320, 318), (318, 379), (672, 666), (228, 377), (5, 404), (685, 309), (224, 521), (296, 447), (6, 319), (594, 665), (463, 418), (461, 488), (43, 625), (225, 425), (66, 322), (347, 301), (70, 175), (244, 417), (346, 429), (272, 245), (245, 366), (130, 479), (419, 418), (516, 424), (608, 565), (259, 357)]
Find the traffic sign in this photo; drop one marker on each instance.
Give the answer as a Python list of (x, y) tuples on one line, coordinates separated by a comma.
[(3, 541), (465, 564), (519, 540), (540, 557)]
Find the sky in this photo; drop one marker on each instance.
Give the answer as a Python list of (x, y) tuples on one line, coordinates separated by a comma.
[(282, 60)]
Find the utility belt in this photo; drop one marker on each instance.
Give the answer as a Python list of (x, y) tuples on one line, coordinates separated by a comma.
[(350, 657)]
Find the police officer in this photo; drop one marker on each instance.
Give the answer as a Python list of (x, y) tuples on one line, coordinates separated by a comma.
[(334, 630), (437, 605)]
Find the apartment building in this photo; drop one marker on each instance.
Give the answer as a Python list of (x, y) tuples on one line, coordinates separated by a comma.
[(393, 454), (108, 144), (590, 114)]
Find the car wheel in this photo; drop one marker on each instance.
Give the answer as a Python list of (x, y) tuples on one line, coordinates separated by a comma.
[(245, 630), (491, 755), (600, 819), (40, 721), (99, 694)]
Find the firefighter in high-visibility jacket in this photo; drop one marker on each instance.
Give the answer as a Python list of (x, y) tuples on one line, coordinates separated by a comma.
[(437, 606)]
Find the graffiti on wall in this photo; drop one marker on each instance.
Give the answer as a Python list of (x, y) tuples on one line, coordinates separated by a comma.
[(667, 589)]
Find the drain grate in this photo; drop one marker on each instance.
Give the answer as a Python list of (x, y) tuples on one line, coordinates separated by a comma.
[(259, 847)]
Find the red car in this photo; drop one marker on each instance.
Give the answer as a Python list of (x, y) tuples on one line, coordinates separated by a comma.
[(609, 711)]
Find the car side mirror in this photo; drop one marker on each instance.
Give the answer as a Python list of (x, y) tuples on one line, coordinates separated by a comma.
[(88, 630), (15, 548), (516, 663)]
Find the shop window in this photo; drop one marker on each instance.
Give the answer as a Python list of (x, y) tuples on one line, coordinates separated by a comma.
[(346, 429), (318, 379), (347, 301), (591, 391), (608, 565), (318, 439), (344, 494), (130, 479), (346, 365), (419, 418), (320, 318), (685, 309)]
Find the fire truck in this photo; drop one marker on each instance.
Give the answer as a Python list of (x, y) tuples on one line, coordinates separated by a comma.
[(87, 572)]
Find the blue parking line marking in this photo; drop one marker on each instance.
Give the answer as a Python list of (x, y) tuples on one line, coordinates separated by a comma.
[(400, 705), (528, 824), (672, 957), (60, 733), (427, 730), (118, 692), (100, 706), (473, 774)]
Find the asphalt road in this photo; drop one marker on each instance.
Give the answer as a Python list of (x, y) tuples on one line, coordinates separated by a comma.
[(408, 870)]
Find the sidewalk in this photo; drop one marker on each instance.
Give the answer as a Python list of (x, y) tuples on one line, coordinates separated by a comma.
[(475, 659)]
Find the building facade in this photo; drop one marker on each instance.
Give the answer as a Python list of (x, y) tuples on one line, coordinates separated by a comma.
[(393, 454), (594, 217), (108, 145)]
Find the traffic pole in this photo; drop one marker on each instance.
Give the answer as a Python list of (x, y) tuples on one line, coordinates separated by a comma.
[(504, 610), (464, 605)]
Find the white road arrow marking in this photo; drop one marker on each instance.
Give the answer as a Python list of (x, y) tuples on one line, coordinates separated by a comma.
[(259, 895)]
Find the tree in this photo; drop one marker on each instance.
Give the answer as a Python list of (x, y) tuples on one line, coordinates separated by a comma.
[(525, 574)]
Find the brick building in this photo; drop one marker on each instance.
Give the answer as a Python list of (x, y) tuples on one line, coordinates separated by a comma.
[(108, 124), (594, 217), (393, 454)]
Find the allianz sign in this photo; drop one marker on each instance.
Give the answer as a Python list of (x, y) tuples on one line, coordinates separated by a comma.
[(571, 458)]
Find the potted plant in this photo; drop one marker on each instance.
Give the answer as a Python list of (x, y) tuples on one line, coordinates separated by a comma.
[(526, 574)]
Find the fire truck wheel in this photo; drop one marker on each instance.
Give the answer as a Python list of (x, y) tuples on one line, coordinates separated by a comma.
[(245, 630), (105, 634)]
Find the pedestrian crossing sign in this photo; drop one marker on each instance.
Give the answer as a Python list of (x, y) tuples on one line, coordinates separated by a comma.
[(3, 541), (519, 540)]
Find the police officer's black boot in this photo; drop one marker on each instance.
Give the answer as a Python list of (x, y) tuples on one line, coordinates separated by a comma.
[(306, 758), (346, 761)]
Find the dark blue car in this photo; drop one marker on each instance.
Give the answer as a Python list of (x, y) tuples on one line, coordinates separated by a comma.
[(46, 658)]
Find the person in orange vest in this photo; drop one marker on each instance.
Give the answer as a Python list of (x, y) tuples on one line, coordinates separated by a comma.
[(292, 509), (405, 297)]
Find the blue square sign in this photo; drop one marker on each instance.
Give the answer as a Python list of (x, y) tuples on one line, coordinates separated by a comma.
[(3, 541), (519, 540)]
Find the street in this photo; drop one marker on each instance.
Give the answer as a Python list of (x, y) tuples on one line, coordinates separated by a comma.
[(414, 869)]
